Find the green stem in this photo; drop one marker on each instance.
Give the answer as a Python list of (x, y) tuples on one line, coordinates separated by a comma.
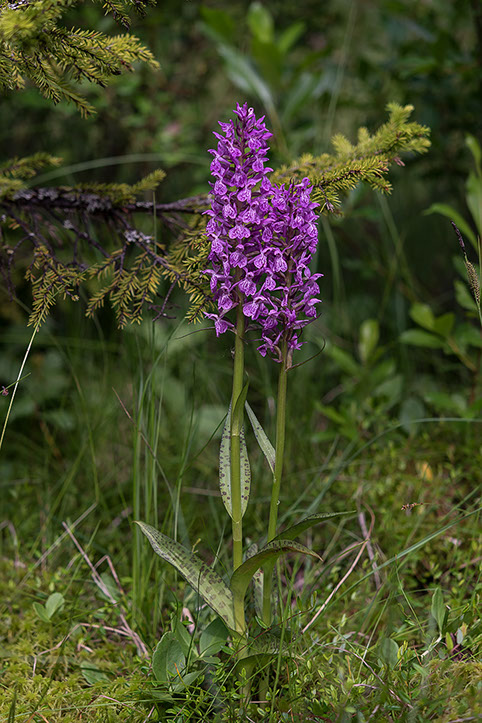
[(236, 426), (237, 413), (275, 490)]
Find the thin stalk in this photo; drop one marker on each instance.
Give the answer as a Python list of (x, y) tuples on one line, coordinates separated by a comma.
[(275, 490), (236, 426), (19, 377)]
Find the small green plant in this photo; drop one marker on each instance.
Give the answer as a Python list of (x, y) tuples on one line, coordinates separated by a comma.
[(53, 605)]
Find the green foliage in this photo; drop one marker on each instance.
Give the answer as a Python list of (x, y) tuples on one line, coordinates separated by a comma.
[(473, 197), (202, 578), (462, 340), (50, 279), (15, 172), (187, 258), (366, 162), (34, 45), (120, 194), (128, 289)]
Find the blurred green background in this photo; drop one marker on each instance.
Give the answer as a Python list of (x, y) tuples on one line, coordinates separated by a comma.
[(390, 268)]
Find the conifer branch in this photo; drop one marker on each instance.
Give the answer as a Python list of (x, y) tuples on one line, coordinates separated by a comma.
[(90, 235), (36, 47)]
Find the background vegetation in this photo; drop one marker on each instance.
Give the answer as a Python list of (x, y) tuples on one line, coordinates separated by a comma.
[(109, 426)]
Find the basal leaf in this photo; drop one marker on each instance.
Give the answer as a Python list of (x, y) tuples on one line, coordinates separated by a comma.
[(54, 603), (261, 437), (225, 468), (444, 324), (417, 337), (92, 674), (168, 659), (369, 336), (213, 638), (243, 574), (41, 612), (389, 652), (202, 578), (308, 522), (422, 314)]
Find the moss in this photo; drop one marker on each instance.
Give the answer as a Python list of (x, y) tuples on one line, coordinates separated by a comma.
[(41, 662)]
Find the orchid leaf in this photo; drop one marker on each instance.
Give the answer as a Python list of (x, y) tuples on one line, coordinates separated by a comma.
[(202, 578), (258, 578), (225, 467), (261, 437), (168, 659), (244, 573), (308, 522)]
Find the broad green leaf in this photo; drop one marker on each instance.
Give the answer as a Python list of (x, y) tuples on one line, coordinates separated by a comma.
[(438, 609), (262, 438), (417, 337), (445, 210), (92, 674), (444, 324), (269, 60), (423, 315), (181, 634), (344, 360), (260, 22), (202, 578), (243, 574), (411, 411), (186, 681), (308, 522), (290, 36), (225, 468), (369, 335), (474, 147), (213, 638), (443, 402), (245, 77), (466, 335), (464, 297), (54, 603), (168, 660), (389, 652), (41, 612), (331, 413), (220, 22), (111, 586), (473, 197)]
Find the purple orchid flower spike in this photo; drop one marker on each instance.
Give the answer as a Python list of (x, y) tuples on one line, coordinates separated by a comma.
[(262, 236)]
